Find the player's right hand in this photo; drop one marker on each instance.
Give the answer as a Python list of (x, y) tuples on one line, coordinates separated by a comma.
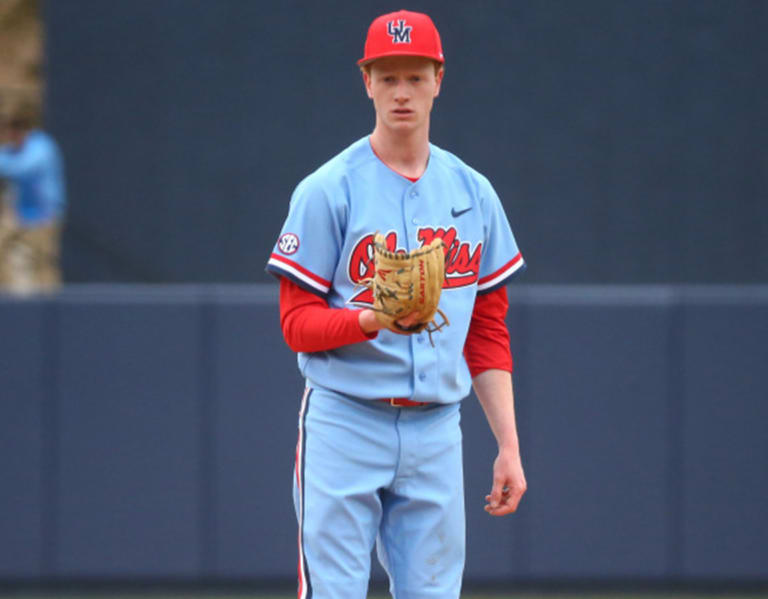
[(370, 324), (408, 322)]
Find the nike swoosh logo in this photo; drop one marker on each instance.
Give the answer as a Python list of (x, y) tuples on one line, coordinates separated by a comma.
[(455, 213)]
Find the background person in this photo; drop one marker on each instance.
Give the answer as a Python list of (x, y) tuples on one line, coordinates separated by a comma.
[(34, 205)]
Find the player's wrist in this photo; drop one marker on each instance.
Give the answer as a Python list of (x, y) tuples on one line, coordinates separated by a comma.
[(510, 447)]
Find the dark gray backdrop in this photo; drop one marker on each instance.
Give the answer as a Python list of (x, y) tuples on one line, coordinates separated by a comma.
[(627, 139)]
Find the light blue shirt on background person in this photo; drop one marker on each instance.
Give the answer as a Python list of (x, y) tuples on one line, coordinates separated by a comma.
[(36, 172)]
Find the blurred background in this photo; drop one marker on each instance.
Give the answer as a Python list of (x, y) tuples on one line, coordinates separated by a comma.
[(149, 404)]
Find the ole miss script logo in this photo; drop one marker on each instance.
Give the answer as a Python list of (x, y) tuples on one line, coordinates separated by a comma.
[(462, 264)]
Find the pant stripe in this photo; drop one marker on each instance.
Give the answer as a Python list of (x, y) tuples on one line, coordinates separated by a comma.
[(305, 586)]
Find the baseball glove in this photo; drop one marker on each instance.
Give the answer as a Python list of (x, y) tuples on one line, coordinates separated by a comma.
[(406, 283)]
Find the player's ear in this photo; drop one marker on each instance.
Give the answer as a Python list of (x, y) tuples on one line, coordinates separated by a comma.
[(366, 72), (439, 78)]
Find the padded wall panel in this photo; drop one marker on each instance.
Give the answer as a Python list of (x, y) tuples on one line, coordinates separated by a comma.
[(149, 434), (725, 460), (258, 390), (23, 397), (597, 394), (129, 449)]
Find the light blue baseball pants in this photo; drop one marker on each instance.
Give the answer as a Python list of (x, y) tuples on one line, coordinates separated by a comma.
[(368, 472)]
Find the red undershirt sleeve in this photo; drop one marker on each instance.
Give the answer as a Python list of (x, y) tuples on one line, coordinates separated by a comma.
[(487, 343), (310, 325)]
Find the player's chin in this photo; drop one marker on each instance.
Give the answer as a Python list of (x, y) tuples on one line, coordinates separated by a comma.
[(404, 122)]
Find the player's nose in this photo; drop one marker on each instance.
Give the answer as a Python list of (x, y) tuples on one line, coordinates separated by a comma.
[(401, 91)]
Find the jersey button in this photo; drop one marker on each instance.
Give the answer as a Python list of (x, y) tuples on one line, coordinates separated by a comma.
[(414, 193), (419, 339), (415, 221), (422, 376)]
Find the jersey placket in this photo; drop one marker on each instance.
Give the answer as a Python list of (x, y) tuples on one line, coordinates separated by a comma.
[(424, 356)]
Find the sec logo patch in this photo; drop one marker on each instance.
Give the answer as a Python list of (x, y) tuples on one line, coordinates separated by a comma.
[(288, 243)]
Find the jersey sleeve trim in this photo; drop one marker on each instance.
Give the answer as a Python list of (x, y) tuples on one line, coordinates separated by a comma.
[(498, 278), (294, 271)]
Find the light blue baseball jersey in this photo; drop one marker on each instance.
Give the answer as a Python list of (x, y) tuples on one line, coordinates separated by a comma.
[(325, 246)]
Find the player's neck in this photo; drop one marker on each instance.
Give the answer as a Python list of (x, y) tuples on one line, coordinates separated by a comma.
[(407, 154)]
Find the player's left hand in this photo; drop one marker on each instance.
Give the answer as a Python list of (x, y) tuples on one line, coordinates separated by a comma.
[(508, 484)]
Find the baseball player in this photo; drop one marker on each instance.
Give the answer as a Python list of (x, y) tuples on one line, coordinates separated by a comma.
[(378, 459)]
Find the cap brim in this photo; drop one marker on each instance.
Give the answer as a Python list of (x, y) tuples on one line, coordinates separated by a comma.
[(370, 59)]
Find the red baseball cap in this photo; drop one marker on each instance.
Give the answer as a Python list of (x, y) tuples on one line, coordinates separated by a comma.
[(402, 33)]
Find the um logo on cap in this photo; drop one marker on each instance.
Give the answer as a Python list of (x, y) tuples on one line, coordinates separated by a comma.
[(400, 34)]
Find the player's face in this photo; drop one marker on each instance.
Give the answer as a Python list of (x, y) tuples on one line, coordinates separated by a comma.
[(403, 89)]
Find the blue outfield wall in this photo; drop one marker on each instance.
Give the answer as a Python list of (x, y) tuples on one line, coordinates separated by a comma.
[(148, 433)]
